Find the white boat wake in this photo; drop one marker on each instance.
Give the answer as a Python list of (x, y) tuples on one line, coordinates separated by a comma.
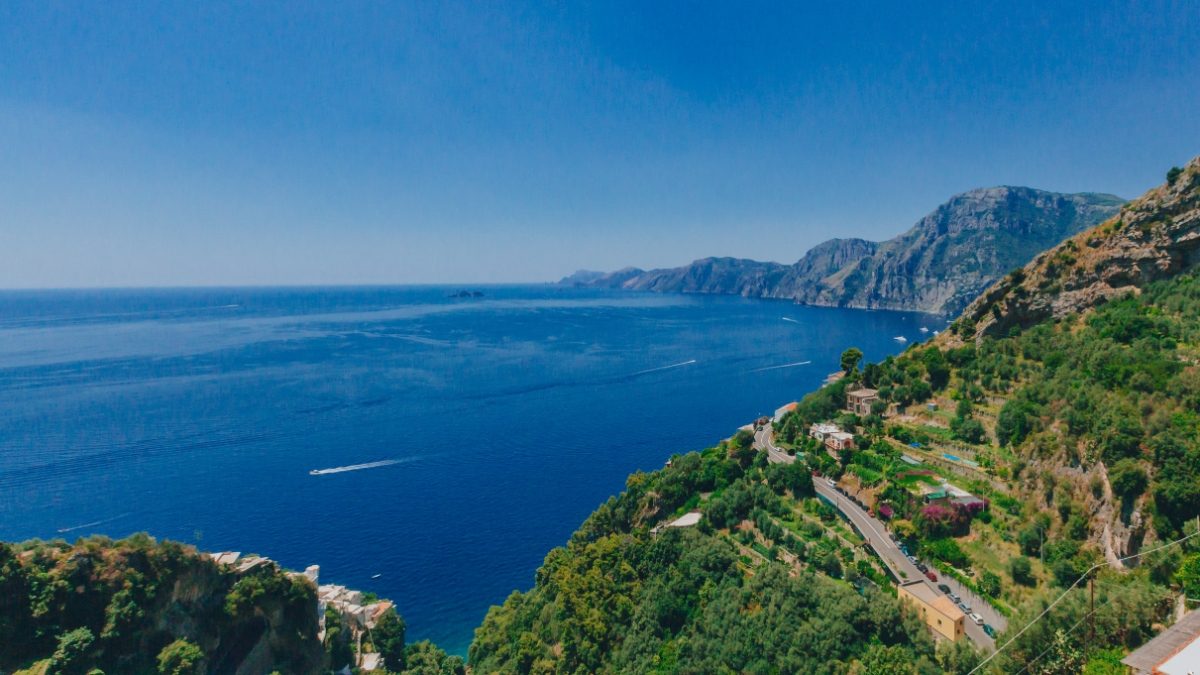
[(63, 530), (786, 365), (655, 370), (788, 318), (355, 467)]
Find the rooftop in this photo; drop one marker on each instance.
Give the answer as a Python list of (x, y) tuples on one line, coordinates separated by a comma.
[(864, 393), (1175, 651), (686, 520), (925, 593)]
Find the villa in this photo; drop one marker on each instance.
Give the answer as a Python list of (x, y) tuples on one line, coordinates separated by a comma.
[(859, 401)]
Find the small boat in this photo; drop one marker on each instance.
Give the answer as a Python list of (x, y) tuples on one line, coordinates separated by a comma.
[(376, 576), (924, 329), (900, 338)]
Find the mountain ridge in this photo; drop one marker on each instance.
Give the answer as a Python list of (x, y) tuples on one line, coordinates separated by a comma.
[(938, 265)]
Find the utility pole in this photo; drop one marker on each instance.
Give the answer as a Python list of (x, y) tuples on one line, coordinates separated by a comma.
[(1091, 616)]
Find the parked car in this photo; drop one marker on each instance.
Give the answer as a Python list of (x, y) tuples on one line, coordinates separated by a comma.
[(912, 560), (830, 483), (930, 575), (964, 607), (944, 588), (977, 619), (955, 599), (921, 566), (987, 628)]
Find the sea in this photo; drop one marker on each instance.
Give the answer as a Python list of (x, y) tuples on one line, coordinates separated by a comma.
[(456, 439)]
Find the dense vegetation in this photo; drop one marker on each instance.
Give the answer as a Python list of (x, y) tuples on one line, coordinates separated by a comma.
[(746, 591), (138, 606), (1085, 435)]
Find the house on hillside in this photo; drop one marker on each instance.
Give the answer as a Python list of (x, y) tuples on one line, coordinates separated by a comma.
[(859, 401), (839, 440), (941, 615), (1175, 651), (821, 430)]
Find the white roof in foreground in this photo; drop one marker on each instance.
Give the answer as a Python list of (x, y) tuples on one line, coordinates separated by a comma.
[(1185, 662), (686, 520)]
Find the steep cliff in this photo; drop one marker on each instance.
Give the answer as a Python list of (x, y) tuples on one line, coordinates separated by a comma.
[(120, 606), (937, 266), (1156, 236)]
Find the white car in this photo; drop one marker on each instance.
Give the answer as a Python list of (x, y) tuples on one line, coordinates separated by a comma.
[(977, 619), (830, 483)]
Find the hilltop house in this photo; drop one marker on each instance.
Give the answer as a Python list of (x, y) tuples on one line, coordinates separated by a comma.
[(859, 401)]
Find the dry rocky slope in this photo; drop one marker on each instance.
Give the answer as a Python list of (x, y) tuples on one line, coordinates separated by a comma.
[(1153, 237), (937, 266)]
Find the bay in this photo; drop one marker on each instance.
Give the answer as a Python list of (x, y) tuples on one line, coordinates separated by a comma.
[(466, 436)]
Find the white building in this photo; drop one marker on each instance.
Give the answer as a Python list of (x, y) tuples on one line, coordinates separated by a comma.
[(822, 430)]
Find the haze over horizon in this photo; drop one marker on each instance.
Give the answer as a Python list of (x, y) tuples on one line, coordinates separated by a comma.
[(175, 144)]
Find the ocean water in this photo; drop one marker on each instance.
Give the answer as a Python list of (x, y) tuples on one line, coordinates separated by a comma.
[(491, 426)]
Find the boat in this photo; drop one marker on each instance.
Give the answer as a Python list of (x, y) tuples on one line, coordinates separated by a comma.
[(924, 329), (900, 338), (354, 467), (376, 576)]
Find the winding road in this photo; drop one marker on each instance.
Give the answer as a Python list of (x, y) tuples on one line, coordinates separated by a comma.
[(876, 534)]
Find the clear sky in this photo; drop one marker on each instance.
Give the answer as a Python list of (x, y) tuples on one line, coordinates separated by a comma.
[(182, 143)]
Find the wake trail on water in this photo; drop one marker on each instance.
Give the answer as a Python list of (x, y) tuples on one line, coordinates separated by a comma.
[(661, 368), (788, 318), (360, 467), (72, 528), (786, 365)]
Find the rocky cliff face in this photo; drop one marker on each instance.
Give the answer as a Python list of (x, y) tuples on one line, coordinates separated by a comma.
[(938, 266), (1153, 237), (126, 602)]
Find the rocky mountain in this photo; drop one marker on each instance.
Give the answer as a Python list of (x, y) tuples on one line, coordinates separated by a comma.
[(1153, 237), (938, 266)]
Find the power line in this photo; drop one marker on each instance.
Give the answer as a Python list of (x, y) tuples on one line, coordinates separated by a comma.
[(1069, 631), (1070, 588)]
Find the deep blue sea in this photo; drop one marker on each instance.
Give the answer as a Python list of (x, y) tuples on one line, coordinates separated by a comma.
[(197, 415)]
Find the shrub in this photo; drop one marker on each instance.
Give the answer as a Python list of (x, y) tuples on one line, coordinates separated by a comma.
[(1021, 571), (1128, 480)]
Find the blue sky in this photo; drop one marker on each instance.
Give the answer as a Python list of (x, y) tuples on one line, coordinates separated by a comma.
[(254, 143)]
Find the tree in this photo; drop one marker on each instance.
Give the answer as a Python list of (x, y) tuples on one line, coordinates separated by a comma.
[(1106, 662), (968, 429), (1188, 575), (850, 359), (388, 638), (989, 584), (741, 448), (425, 658), (70, 657), (181, 658), (936, 366), (1173, 174), (1021, 571), (1128, 480)]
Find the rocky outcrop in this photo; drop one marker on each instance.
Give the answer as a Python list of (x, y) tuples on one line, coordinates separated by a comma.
[(1153, 237), (937, 266)]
